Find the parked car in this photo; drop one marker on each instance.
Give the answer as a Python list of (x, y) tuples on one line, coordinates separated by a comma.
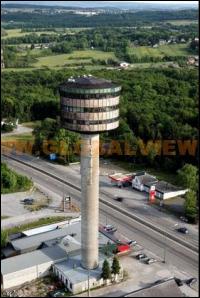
[(141, 256), (178, 281), (110, 229), (183, 230), (132, 242), (28, 201), (183, 218), (191, 281), (150, 261), (57, 293)]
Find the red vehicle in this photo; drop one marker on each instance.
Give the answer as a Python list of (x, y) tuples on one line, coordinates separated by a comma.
[(123, 248), (120, 179)]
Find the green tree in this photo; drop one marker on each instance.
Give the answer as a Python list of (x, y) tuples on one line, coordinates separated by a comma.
[(188, 177), (106, 272), (115, 266), (190, 206)]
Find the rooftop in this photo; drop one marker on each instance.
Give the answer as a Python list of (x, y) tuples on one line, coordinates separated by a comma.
[(167, 288), (88, 81), (33, 242), (163, 186), (146, 178), (27, 260), (74, 271)]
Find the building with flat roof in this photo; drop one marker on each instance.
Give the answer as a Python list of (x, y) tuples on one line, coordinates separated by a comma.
[(29, 266), (76, 278), (165, 190), (37, 254)]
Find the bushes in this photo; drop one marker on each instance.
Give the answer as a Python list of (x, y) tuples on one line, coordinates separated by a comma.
[(4, 238), (13, 182), (190, 206)]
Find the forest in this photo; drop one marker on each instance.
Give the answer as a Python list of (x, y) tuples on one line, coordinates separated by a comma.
[(66, 19), (157, 105)]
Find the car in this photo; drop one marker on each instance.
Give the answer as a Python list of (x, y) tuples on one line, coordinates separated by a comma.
[(132, 242), (57, 293), (141, 256), (150, 261), (178, 281), (119, 199), (27, 200), (183, 230), (191, 281), (183, 218), (110, 229)]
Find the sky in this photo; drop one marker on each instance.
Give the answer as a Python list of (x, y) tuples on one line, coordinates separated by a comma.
[(60, 2)]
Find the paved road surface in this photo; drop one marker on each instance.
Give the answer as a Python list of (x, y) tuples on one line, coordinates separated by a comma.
[(176, 255), (135, 201)]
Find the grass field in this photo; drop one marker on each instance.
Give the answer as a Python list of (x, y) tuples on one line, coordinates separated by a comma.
[(75, 57), (161, 51), (35, 224), (18, 33), (18, 137), (31, 124), (182, 22)]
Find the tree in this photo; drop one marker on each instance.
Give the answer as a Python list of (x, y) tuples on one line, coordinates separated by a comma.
[(106, 272), (188, 177), (190, 206), (115, 266)]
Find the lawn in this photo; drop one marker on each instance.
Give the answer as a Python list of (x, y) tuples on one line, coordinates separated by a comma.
[(161, 51), (81, 57)]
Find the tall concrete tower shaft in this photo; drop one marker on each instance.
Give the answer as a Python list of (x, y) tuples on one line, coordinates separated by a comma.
[(89, 200), (89, 106)]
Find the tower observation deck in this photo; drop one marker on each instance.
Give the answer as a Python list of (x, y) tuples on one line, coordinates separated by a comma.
[(89, 105)]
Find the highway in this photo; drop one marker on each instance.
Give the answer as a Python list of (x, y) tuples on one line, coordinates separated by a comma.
[(177, 255), (136, 205)]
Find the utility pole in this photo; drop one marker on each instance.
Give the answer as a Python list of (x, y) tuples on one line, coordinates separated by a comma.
[(165, 242), (89, 283)]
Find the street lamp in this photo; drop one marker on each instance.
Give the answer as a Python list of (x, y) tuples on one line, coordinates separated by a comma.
[(165, 248)]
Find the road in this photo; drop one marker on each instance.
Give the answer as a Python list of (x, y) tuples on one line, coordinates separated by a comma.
[(135, 202), (177, 256)]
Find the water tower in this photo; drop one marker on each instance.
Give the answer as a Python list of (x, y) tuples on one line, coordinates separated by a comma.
[(89, 105)]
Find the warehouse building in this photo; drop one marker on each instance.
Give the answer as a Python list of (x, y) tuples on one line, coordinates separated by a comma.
[(26, 267), (39, 252)]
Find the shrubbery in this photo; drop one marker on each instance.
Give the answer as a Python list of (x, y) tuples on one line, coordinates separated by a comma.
[(13, 182)]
